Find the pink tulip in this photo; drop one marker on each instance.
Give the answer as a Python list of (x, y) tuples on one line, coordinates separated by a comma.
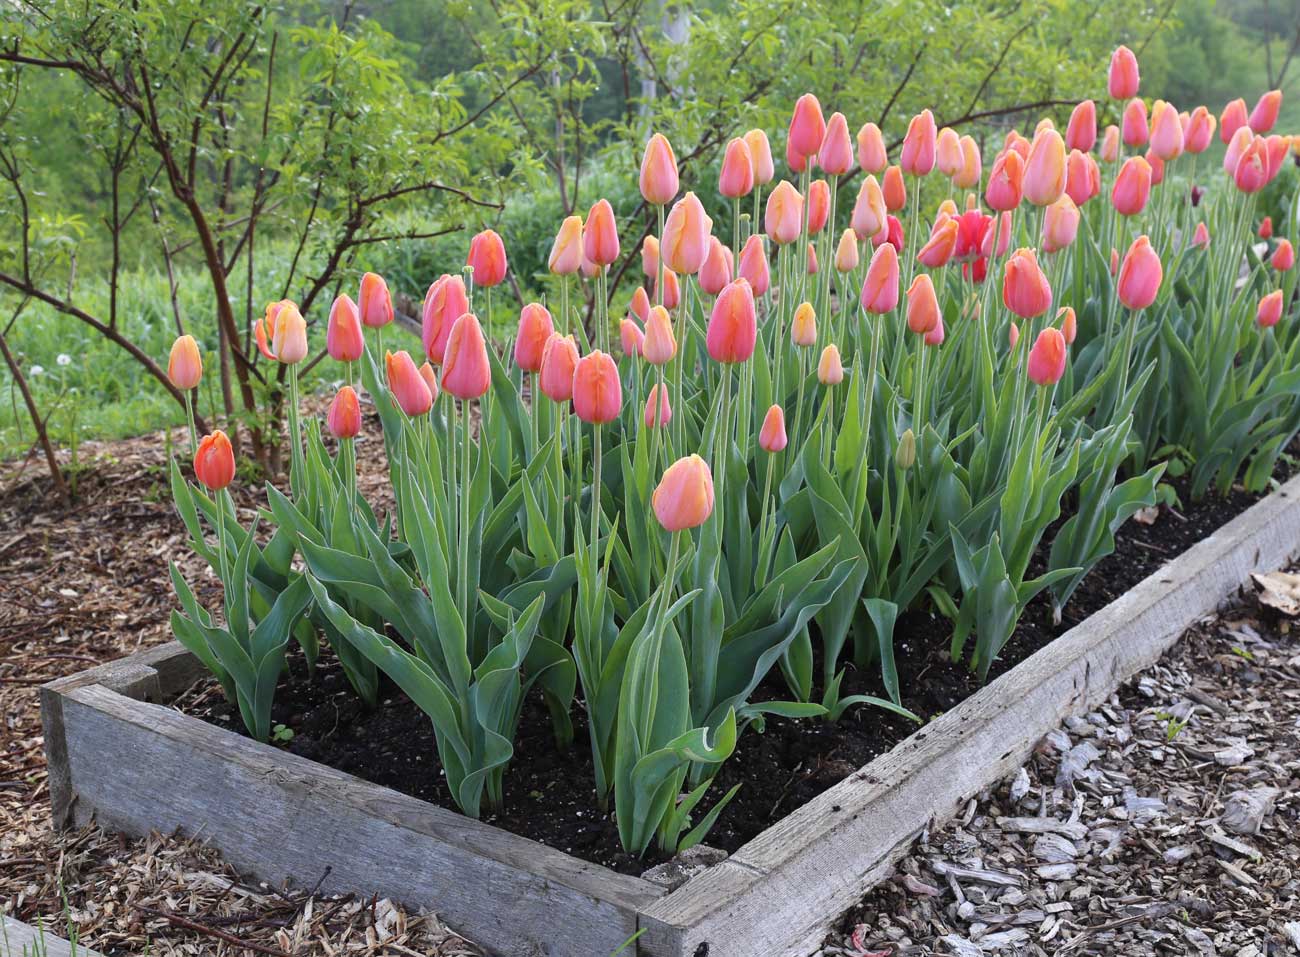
[(846, 252), (1082, 177), (1006, 181), (597, 390), (535, 327), (947, 152), (880, 287), (373, 301), (732, 327), (872, 156), (600, 235), (1123, 79), (1264, 116), (869, 212), (559, 359), (1140, 275), (566, 251), (1200, 130), (753, 265), (968, 177), (1232, 119), (184, 364), (1110, 144), (487, 257), (1044, 180), (737, 176), (1132, 186), (684, 244), (444, 303), (671, 294), (717, 268), (1269, 312), (922, 305), (658, 414), (466, 373), (1047, 357), (630, 336), (659, 345), (894, 189), (917, 157), (640, 305), (344, 416), (1060, 225), (760, 155), (684, 496), (807, 127), (803, 328), (1283, 257), (835, 155), (936, 253), (1025, 290), (431, 380), (830, 370), (658, 171), (771, 436), (1166, 132), (784, 218), (343, 338), (1135, 128), (1201, 238), (819, 205), (407, 386), (1081, 133)]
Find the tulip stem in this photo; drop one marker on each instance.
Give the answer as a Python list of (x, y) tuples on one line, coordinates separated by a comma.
[(220, 501), (533, 408), (596, 453), (295, 435), (189, 414), (764, 560), (462, 580)]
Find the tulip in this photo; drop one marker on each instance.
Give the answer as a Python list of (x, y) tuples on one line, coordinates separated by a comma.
[(1110, 144), (600, 235), (997, 242), (753, 265), (1267, 315), (487, 259), (830, 371), (1166, 132), (717, 268), (1014, 142), (1232, 119), (803, 328), (807, 128), (812, 260), (1044, 180), (784, 217), (880, 287), (771, 436), (732, 326), (1082, 177), (972, 227), (406, 384), (1013, 336), (1200, 130), (760, 155), (1266, 228), (466, 373), (947, 152), (640, 303), (1140, 275), (684, 496), (559, 359), (214, 461), (1060, 225), (936, 253), (946, 208), (588, 268), (1132, 186), (374, 302), (1283, 257), (894, 191), (343, 338), (968, 177), (922, 305), (872, 156), (1123, 79), (836, 153), (566, 251), (737, 176), (1252, 172), (344, 416), (658, 171), (819, 205), (936, 335), (892, 234), (1025, 290), (658, 412), (1277, 147), (1201, 238), (684, 244), (1069, 324), (597, 390), (846, 253), (672, 292), (650, 256), (1081, 133), (869, 210), (659, 345), (287, 330), (1264, 116), (1006, 181), (793, 158), (631, 336), (431, 380), (444, 303), (535, 327), (184, 364), (917, 157), (1135, 127), (905, 454), (1047, 357), (1236, 147)]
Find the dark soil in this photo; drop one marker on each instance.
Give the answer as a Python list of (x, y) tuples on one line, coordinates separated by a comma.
[(550, 794)]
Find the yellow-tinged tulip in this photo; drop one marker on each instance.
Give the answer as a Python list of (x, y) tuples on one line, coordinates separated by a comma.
[(185, 365)]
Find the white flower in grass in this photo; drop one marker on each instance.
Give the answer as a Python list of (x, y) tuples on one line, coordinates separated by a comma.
[(64, 359), (38, 370)]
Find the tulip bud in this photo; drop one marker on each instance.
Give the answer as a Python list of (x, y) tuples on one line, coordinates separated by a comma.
[(1264, 116), (214, 461), (658, 171), (1166, 132), (1232, 119), (1201, 238), (641, 303), (1135, 128), (408, 387), (559, 359), (535, 327), (1044, 180), (905, 454), (650, 256), (444, 303), (732, 327), (631, 336), (1123, 80), (1069, 324), (487, 257), (1283, 257), (684, 244), (869, 212), (807, 128), (784, 218), (753, 265), (1047, 357), (819, 205), (1140, 275), (1013, 336), (968, 177), (803, 328), (1110, 144), (684, 496), (812, 260), (936, 253), (1006, 181), (1132, 186), (772, 437), (1081, 133), (466, 373), (185, 365), (917, 157), (566, 251), (1266, 228), (671, 294), (344, 416), (716, 271), (830, 371), (1025, 290), (600, 235), (658, 412), (947, 152), (922, 305), (880, 287), (846, 253), (737, 176), (760, 155), (835, 155), (1269, 312), (659, 345), (894, 190), (872, 156), (1060, 225)]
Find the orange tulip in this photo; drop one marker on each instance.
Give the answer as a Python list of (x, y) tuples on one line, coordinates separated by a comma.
[(1269, 312), (214, 461), (830, 370), (658, 414), (717, 268), (880, 287), (1123, 79), (1047, 357), (684, 244), (466, 373), (1060, 225), (487, 259), (1232, 119), (732, 324), (869, 212), (1044, 180), (784, 217), (894, 190), (803, 328), (444, 303), (1132, 186), (1264, 116), (343, 338), (1283, 257), (1135, 128), (684, 496), (947, 152), (771, 436), (631, 336), (650, 256), (760, 155), (807, 128), (1110, 144), (936, 253), (658, 171), (597, 390), (344, 416), (971, 171), (600, 235), (559, 359), (812, 260), (846, 253), (184, 364), (659, 345), (408, 387), (1081, 133), (922, 305), (566, 251), (1201, 238), (373, 301), (872, 156), (1265, 230), (754, 266), (1069, 324), (1200, 130), (737, 176), (535, 327), (917, 157), (819, 205), (1166, 132), (1140, 275), (835, 155), (1277, 147), (1025, 290), (671, 294), (1006, 181), (641, 303), (430, 379)]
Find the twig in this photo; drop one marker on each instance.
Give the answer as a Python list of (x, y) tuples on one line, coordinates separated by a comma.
[(221, 935)]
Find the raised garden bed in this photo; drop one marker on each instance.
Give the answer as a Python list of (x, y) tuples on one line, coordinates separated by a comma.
[(119, 754)]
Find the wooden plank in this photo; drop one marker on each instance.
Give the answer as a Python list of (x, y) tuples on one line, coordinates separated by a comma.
[(780, 892), (139, 767), (22, 940)]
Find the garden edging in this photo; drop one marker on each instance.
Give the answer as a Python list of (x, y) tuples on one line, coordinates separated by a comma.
[(118, 755)]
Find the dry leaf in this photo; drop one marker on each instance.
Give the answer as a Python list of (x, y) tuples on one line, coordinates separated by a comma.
[(1279, 590), (1147, 516)]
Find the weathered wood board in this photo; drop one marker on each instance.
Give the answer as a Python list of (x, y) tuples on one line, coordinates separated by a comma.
[(23, 940)]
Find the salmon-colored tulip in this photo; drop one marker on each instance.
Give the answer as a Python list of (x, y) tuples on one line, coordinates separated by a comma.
[(444, 303), (658, 171), (972, 227), (343, 339), (1069, 324), (807, 127), (1269, 312), (597, 389), (1236, 147), (671, 294), (430, 379), (600, 234), (1201, 238), (917, 157), (835, 155), (559, 359), (872, 156), (214, 461), (943, 241), (566, 251), (894, 190), (760, 155), (830, 370), (1265, 230), (1013, 336), (1136, 129), (1252, 172), (812, 260), (684, 496), (1044, 180), (1082, 177), (846, 253), (922, 305), (1017, 143), (753, 265), (466, 373), (374, 302), (947, 152), (1264, 116), (880, 287), (535, 327), (737, 176), (771, 436), (1123, 79), (869, 210), (1200, 130), (1060, 225), (658, 411), (684, 244), (1233, 118), (1110, 144), (971, 172), (1081, 132), (732, 324), (892, 234), (784, 217), (641, 303), (650, 256), (1132, 186), (998, 241), (803, 328), (408, 387), (184, 364), (1047, 357), (936, 335), (1166, 132), (630, 336), (287, 330), (1283, 257), (1025, 290), (1140, 275), (1006, 181), (659, 345), (344, 416), (487, 257), (1157, 168), (819, 205), (717, 268), (1277, 147)]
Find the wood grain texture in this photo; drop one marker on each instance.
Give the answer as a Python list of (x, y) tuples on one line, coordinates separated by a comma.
[(779, 893), (23, 940)]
